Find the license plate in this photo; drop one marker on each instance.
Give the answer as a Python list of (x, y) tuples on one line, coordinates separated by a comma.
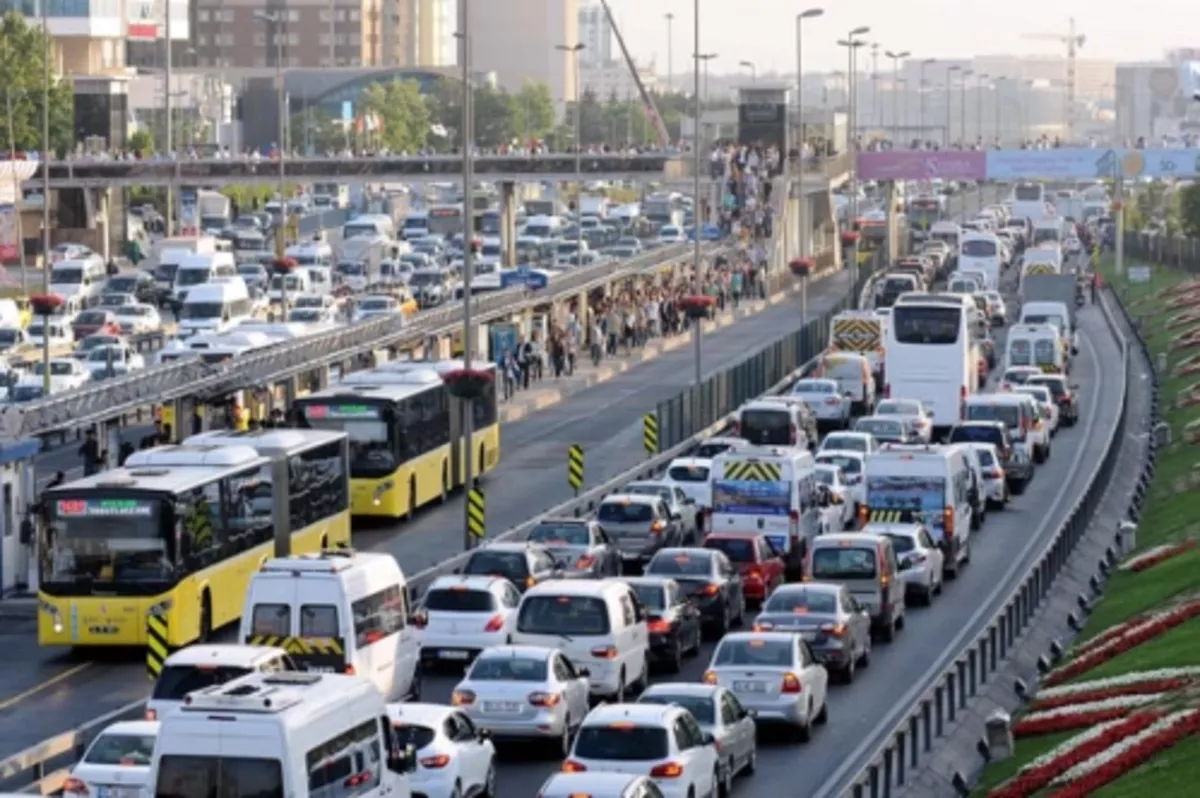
[(501, 706), (749, 687), (116, 792), (452, 655)]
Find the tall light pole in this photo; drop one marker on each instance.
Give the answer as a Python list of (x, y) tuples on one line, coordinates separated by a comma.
[(802, 241), (697, 164), (896, 59), (998, 92), (852, 44), (46, 190), (876, 106), (921, 87), (753, 70), (573, 51), (704, 58), (980, 81), (950, 70), (274, 21), (962, 110), (670, 51)]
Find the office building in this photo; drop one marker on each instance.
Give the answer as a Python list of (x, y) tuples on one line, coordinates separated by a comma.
[(518, 41), (431, 26), (613, 79), (1151, 101), (596, 35)]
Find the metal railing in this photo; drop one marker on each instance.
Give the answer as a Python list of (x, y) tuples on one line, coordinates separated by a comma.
[(1175, 251), (904, 745)]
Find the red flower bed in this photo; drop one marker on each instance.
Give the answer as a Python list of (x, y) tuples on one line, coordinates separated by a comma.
[(802, 267), (1165, 554), (1068, 721), (1102, 694), (45, 304), (1108, 635), (467, 375), (701, 301), (1034, 779), (1100, 655), (1118, 766), (850, 237)]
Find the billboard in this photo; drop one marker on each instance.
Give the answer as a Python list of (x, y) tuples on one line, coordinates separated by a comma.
[(923, 165), (144, 20)]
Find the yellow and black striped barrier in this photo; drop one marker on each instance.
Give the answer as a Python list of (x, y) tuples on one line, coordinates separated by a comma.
[(298, 646), (476, 514), (753, 472), (650, 433), (575, 467), (158, 647)]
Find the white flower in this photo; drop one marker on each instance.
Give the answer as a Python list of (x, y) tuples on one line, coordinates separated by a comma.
[(1124, 680), (1129, 743), (1116, 640), (1149, 554), (1073, 743), (1118, 702)]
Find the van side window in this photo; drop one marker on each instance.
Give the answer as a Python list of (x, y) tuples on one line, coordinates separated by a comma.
[(379, 615), (354, 752), (273, 620), (627, 614), (319, 620), (804, 492)]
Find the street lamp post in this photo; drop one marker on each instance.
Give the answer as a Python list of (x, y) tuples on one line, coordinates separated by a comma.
[(274, 22), (852, 44), (466, 142), (670, 52), (701, 91), (698, 58), (921, 87), (998, 92), (46, 190), (962, 109), (980, 81), (802, 241), (753, 70), (950, 70), (573, 51), (896, 58), (169, 132)]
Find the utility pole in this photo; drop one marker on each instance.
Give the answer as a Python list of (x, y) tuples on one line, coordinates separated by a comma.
[(670, 52)]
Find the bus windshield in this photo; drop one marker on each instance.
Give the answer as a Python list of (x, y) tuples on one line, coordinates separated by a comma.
[(926, 324), (102, 540), (372, 453)]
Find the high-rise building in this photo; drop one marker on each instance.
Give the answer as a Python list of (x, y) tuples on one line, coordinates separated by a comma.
[(431, 28), (596, 35), (1151, 101), (518, 40)]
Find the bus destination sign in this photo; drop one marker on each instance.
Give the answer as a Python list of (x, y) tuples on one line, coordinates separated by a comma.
[(106, 508), (333, 412)]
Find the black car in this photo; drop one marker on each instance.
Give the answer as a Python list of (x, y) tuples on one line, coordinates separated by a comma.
[(709, 580), (673, 621), (523, 564), (1064, 396), (140, 284)]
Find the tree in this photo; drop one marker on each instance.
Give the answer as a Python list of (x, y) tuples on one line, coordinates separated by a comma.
[(1189, 210), (401, 112), (534, 110), (495, 117), (21, 52), (315, 130), (141, 142)]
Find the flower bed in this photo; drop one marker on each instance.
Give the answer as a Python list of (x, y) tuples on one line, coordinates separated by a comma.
[(1079, 716), (1154, 556), (1158, 686), (1080, 748), (1188, 675), (1115, 761), (1133, 637)]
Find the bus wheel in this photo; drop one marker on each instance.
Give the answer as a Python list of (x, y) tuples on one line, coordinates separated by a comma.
[(205, 618), (412, 499)]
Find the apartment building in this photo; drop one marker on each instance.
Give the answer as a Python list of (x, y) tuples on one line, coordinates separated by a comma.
[(518, 41)]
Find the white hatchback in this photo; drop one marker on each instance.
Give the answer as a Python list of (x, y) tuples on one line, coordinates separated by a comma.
[(454, 758), (461, 616), (116, 764)]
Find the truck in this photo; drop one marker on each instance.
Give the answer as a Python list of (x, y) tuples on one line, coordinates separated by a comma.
[(215, 211), (1050, 288), (594, 205)]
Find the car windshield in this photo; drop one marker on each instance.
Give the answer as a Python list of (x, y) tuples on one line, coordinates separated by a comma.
[(622, 742), (304, 315), (623, 512), (1056, 385), (425, 279), (103, 353), (849, 465), (66, 276), (849, 562), (771, 427), (508, 669), (193, 276), (847, 443), (58, 368), (755, 652), (510, 564), (563, 615), (739, 550), (710, 449), (651, 596), (9, 336), (561, 535), (459, 599), (802, 601), (649, 489), (700, 706), (125, 750), (668, 564), (691, 473), (176, 681), (121, 285), (201, 310), (814, 386)]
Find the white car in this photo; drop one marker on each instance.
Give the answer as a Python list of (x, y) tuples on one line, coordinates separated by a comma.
[(525, 693), (853, 467), (66, 374), (370, 307), (672, 234), (709, 448), (775, 675), (1017, 375), (849, 441), (137, 318), (691, 475), (1073, 246), (919, 558), (990, 465), (916, 412), (840, 514), (999, 309), (454, 758), (461, 616), (827, 403), (599, 785), (118, 360), (1045, 400), (116, 764), (662, 741)]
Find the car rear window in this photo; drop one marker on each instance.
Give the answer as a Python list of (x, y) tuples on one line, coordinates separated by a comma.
[(769, 427), (561, 534), (736, 549), (319, 620), (404, 735), (508, 669), (700, 706), (665, 564), (848, 562), (986, 458), (126, 750), (849, 465), (563, 615), (754, 653), (272, 620), (509, 564), (1009, 414), (622, 742), (625, 513), (903, 544), (818, 602), (688, 473), (459, 600), (971, 434), (176, 681)]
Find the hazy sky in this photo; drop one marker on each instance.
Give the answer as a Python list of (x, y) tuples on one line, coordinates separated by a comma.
[(763, 31)]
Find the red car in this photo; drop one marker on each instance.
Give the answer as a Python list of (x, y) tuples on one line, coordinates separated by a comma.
[(760, 565)]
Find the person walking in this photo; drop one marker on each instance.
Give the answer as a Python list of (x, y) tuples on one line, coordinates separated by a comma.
[(89, 452)]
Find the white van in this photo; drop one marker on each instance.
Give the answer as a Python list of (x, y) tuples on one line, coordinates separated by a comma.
[(307, 281), (215, 307), (773, 421), (201, 666), (927, 484), (416, 225), (339, 610), (56, 328), (983, 252), (855, 378), (1056, 314), (200, 268), (81, 278), (311, 253), (369, 224), (599, 624), (309, 735), (1038, 345), (543, 227)]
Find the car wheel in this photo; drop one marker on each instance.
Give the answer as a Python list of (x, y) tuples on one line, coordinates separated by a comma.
[(846, 674), (888, 633), (489, 781), (804, 730), (864, 659), (823, 716), (726, 780), (619, 696)]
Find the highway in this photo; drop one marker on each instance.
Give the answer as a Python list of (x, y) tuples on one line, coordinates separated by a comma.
[(606, 420)]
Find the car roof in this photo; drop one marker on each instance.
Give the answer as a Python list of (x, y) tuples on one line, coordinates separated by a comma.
[(629, 498), (695, 689), (643, 714), (800, 587), (222, 654), (527, 652), (507, 548), (910, 529), (465, 582), (847, 539)]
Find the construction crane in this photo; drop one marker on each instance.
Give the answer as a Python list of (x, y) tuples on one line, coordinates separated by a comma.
[(1073, 41)]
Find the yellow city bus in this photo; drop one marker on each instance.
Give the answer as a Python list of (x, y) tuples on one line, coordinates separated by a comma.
[(179, 531), (401, 425)]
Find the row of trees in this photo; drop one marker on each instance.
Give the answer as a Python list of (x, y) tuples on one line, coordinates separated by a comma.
[(23, 91)]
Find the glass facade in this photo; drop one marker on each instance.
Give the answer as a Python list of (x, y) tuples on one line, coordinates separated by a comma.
[(64, 8)]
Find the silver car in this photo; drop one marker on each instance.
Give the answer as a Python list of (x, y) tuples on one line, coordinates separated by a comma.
[(639, 525), (681, 505), (823, 396), (916, 413), (995, 487), (525, 692), (720, 714), (579, 545), (837, 629)]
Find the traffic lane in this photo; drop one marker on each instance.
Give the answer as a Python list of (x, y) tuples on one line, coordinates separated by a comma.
[(861, 710), (532, 474)]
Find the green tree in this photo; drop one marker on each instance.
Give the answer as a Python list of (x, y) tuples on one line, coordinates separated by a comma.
[(403, 116), (1189, 210), (316, 130), (533, 107), (495, 117), (21, 52), (141, 142)]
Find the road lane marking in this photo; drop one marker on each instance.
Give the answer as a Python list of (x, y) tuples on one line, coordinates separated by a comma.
[(9, 703)]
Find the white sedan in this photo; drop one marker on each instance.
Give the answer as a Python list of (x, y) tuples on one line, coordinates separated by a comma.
[(138, 318), (1046, 403), (116, 764), (454, 758), (853, 467), (1074, 246), (66, 374), (115, 361), (828, 404), (920, 559)]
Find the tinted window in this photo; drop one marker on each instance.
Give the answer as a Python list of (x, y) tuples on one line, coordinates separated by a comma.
[(346, 764), (818, 602), (508, 669), (707, 451), (754, 652), (1009, 414), (851, 562), (451, 600), (986, 459), (1057, 385), (849, 443), (688, 473), (625, 513), (924, 324), (563, 615), (814, 386), (509, 564), (127, 750), (661, 491), (701, 707), (768, 427), (975, 435), (379, 615), (1045, 351), (979, 249), (274, 620), (218, 777), (736, 549), (902, 543), (560, 534), (1028, 193), (176, 681), (850, 465), (880, 427), (650, 596), (416, 736), (1020, 353), (622, 742), (318, 620)]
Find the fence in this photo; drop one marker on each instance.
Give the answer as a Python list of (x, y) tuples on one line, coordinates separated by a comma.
[(1175, 251), (903, 745)]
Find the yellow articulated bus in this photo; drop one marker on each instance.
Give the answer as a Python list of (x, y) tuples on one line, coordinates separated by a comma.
[(180, 530), (402, 430)]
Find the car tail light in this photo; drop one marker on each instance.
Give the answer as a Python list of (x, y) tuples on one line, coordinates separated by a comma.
[(571, 766), (863, 512), (833, 401), (586, 561), (710, 590), (710, 677), (793, 515), (791, 683), (604, 652), (435, 762), (494, 624), (948, 521), (995, 473), (659, 627), (667, 770), (530, 581), (736, 428), (545, 699), (349, 670), (75, 787), (754, 573), (835, 629), (657, 527), (462, 698), (151, 714), (359, 779)]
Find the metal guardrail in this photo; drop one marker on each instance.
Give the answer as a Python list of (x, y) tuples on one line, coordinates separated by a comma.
[(174, 380), (905, 744)]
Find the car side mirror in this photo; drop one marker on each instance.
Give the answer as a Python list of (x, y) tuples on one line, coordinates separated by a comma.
[(582, 673), (483, 735), (707, 739)]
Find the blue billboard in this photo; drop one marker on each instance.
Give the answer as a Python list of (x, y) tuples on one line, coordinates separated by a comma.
[(1092, 164)]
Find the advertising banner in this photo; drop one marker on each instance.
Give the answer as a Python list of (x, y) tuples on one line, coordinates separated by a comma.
[(144, 19), (923, 165), (1092, 164), (10, 247)]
